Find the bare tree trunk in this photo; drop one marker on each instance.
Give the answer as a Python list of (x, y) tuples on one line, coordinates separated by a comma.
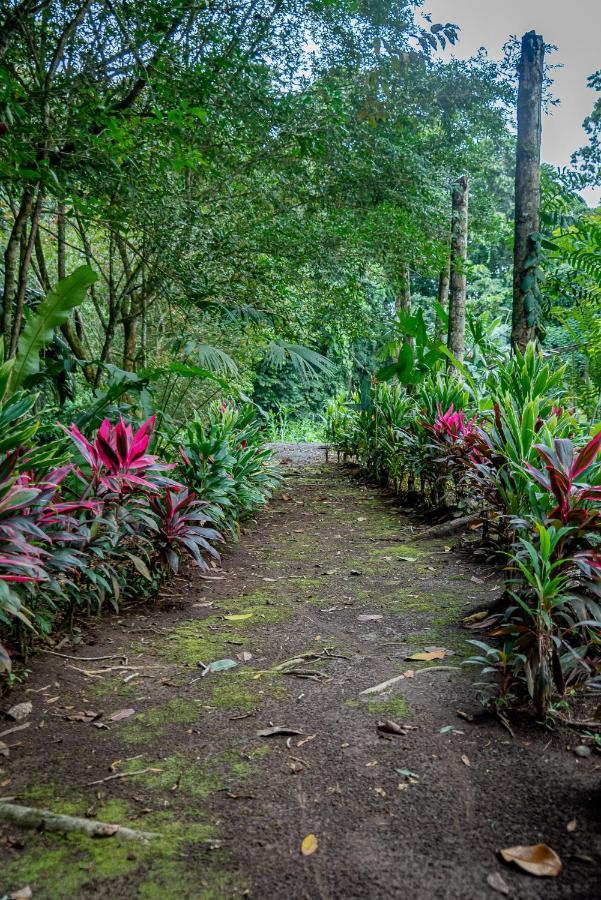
[(443, 299), (61, 237), (402, 299), (458, 284), (11, 264), (23, 274), (527, 189)]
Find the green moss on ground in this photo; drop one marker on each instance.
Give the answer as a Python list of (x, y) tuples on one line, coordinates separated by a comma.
[(61, 867), (154, 721)]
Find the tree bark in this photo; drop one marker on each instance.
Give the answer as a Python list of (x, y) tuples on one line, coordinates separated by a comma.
[(402, 299), (29, 817), (458, 283), (527, 189), (11, 263), (23, 275), (443, 299)]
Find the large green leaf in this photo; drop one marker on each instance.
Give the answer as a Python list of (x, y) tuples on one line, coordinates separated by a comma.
[(51, 314)]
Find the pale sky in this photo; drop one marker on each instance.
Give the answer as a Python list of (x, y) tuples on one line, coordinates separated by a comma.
[(573, 25)]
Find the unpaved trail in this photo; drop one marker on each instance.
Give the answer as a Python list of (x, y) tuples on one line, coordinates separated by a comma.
[(328, 569)]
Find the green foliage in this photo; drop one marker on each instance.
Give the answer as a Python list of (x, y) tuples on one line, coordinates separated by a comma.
[(39, 330), (423, 445)]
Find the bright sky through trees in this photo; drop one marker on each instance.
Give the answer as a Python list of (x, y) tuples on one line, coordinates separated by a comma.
[(573, 27)]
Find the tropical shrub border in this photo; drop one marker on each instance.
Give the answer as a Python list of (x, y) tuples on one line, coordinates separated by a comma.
[(503, 448), (111, 516)]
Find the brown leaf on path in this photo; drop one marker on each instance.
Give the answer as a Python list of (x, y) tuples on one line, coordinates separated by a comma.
[(428, 656), (87, 715), (4, 751), (19, 711), (572, 825), (537, 859), (496, 881), (121, 714), (245, 656), (309, 845), (278, 729), (24, 893), (390, 727), (409, 673), (466, 760)]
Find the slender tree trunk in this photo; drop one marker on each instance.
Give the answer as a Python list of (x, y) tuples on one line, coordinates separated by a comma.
[(443, 300), (527, 189), (24, 273), (402, 299), (130, 322), (11, 264), (458, 284), (61, 237)]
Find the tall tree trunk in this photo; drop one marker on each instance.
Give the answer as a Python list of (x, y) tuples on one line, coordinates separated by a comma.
[(402, 299), (443, 300), (25, 264), (458, 283), (527, 189), (11, 264)]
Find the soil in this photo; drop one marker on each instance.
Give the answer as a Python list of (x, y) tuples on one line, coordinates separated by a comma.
[(330, 568)]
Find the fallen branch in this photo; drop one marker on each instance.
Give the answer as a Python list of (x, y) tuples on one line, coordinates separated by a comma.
[(85, 658), (123, 775), (447, 528), (439, 669), (378, 688), (15, 728), (28, 817)]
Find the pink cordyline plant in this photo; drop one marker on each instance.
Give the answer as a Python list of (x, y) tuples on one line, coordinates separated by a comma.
[(452, 425), (118, 457)]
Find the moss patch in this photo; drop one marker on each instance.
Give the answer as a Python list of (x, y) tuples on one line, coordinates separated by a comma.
[(204, 640), (158, 718)]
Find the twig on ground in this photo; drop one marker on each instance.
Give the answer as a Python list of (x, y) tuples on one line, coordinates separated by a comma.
[(85, 658), (15, 728), (439, 669), (28, 817), (123, 775)]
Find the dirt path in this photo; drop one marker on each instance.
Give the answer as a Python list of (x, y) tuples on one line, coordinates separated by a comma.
[(328, 570)]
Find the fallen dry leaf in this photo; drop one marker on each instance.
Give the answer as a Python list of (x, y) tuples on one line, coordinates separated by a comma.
[(23, 893), (426, 657), (121, 714), (497, 883), (537, 859), (390, 727), (4, 751), (245, 656), (278, 729), (20, 711), (571, 826), (87, 715), (465, 760), (309, 845)]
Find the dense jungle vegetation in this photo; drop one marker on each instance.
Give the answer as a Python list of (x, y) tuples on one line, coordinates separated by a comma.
[(225, 222)]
